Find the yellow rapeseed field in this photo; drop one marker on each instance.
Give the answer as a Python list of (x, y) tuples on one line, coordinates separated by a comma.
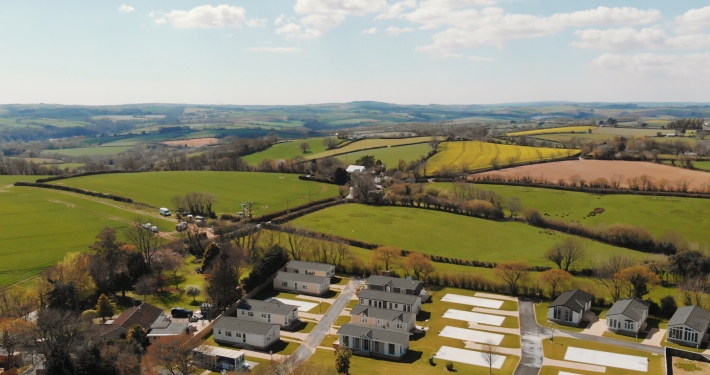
[(474, 155), (564, 129)]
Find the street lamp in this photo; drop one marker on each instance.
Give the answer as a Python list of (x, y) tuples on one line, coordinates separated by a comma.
[(552, 333)]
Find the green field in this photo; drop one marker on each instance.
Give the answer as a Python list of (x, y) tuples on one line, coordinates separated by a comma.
[(368, 144), (286, 150), (447, 234), (88, 151), (657, 214), (46, 224), (268, 191), (390, 156), (132, 141)]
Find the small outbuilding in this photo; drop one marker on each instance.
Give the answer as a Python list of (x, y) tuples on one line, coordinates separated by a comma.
[(245, 334), (688, 326), (301, 283), (569, 308), (355, 169), (627, 316), (216, 358), (311, 268)]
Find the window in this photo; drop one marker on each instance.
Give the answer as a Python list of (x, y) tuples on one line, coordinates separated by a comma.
[(365, 344), (556, 313), (390, 349), (228, 333), (398, 325), (251, 313), (363, 319), (568, 315), (239, 335), (346, 340), (305, 286), (396, 306), (284, 283), (629, 325), (219, 331)]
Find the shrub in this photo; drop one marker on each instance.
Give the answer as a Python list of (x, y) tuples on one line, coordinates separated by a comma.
[(450, 366), (668, 306)]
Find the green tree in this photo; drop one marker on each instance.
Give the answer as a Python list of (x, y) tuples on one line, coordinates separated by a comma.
[(192, 291), (342, 360), (367, 161), (104, 307), (138, 335), (211, 254), (223, 282)]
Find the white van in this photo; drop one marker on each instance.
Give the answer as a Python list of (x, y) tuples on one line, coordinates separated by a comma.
[(164, 211)]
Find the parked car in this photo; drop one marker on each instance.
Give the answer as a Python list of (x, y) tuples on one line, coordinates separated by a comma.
[(195, 318), (164, 211), (147, 226), (180, 312), (181, 227), (154, 229)]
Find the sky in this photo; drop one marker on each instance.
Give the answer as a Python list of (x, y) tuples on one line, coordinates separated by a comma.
[(287, 52)]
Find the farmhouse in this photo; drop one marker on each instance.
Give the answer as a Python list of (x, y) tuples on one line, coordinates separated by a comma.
[(397, 285), (373, 341), (273, 312), (243, 333), (569, 307), (144, 315), (627, 316), (382, 318), (390, 301), (311, 268), (688, 326), (300, 283)]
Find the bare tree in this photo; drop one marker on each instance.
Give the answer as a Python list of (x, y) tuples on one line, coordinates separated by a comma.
[(298, 243), (363, 184), (514, 206), (304, 147), (512, 274), (616, 181), (144, 240), (387, 254), (330, 142), (488, 351), (566, 253), (608, 273), (171, 354)]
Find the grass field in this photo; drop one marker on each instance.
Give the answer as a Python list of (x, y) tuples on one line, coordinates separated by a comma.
[(286, 150), (657, 214), (416, 362), (629, 132), (46, 225), (88, 151), (368, 144), (564, 129), (446, 234), (269, 191), (473, 155), (390, 156)]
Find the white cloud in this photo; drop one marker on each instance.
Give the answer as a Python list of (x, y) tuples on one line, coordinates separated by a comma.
[(627, 38), (694, 20), (493, 26), (480, 58), (372, 30), (396, 9), (655, 65), (275, 49), (290, 30), (257, 22), (280, 19), (322, 15), (207, 16), (126, 8), (160, 21), (393, 30)]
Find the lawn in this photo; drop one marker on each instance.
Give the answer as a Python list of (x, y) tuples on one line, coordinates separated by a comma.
[(368, 144), (269, 192), (390, 156), (657, 214), (45, 225), (422, 348), (474, 155), (88, 151), (286, 150), (171, 297), (281, 347), (558, 348), (455, 236)]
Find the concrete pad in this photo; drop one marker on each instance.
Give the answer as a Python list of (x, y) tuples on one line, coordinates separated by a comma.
[(572, 365), (495, 296), (469, 357), (597, 327), (654, 337), (471, 335), (302, 305), (468, 316), (483, 327), (566, 373), (596, 357), (496, 312), (517, 352), (473, 301)]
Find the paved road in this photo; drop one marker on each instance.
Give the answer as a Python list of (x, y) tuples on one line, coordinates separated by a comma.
[(308, 347), (531, 335), (610, 341)]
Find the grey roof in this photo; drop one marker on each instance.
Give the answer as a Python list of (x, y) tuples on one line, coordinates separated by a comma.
[(171, 329), (389, 297), (274, 306), (573, 299), (243, 326), (309, 265), (385, 314), (300, 277), (692, 316), (393, 281), (377, 334), (631, 308)]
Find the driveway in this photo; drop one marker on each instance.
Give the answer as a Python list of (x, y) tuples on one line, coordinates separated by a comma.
[(531, 336), (309, 345)]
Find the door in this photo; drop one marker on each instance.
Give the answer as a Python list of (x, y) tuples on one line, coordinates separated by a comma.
[(244, 337), (295, 286), (377, 347)]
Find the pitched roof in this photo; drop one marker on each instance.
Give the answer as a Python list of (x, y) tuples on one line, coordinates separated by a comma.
[(377, 334), (355, 168), (274, 306), (289, 276), (309, 265), (573, 299), (105, 329), (242, 326), (692, 316), (389, 297), (170, 329), (384, 314), (144, 315), (393, 281), (631, 308)]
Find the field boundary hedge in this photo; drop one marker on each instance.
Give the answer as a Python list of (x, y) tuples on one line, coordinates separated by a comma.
[(55, 178), (305, 211), (274, 215), (81, 191), (304, 178)]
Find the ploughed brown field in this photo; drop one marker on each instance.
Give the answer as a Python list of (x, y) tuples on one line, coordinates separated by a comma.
[(192, 142), (591, 170)]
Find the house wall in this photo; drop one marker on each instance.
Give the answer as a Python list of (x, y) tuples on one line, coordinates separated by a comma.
[(329, 273), (282, 320), (240, 339), (576, 317), (390, 289), (362, 320), (391, 305), (621, 319), (356, 345), (298, 287), (682, 340)]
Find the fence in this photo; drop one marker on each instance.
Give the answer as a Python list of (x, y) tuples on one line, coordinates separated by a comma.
[(672, 352)]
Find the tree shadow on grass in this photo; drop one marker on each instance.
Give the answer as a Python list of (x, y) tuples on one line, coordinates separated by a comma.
[(168, 298), (409, 358), (278, 347), (423, 315), (329, 294), (299, 327)]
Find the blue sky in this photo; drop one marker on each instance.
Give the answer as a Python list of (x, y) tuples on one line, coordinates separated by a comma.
[(318, 51)]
